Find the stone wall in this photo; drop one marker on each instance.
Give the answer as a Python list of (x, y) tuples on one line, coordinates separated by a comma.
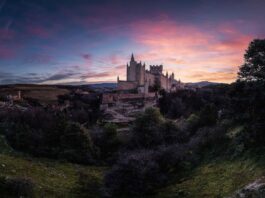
[(110, 98), (126, 85), (149, 78)]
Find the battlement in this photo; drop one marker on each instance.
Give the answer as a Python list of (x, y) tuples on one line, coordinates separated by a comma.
[(138, 78), (156, 69)]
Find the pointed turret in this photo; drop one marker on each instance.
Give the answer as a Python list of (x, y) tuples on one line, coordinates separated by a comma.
[(173, 75), (132, 58)]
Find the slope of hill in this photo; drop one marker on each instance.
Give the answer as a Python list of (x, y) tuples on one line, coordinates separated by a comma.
[(216, 179), (51, 178), (103, 85)]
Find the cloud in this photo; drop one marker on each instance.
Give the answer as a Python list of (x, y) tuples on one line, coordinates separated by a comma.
[(184, 48), (67, 74), (96, 75), (87, 56), (212, 76), (6, 53)]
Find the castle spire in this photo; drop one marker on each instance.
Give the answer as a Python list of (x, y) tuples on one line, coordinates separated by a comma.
[(132, 58)]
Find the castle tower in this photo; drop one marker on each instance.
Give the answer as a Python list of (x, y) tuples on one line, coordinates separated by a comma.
[(135, 72), (131, 70)]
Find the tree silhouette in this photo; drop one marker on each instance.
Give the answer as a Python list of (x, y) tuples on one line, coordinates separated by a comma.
[(254, 67)]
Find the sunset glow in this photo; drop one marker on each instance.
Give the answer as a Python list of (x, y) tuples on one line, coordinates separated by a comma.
[(81, 42)]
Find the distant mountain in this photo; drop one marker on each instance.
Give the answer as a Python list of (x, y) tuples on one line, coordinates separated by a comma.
[(104, 85), (202, 84)]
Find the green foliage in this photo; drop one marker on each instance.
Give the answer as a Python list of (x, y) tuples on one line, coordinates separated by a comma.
[(254, 67), (248, 101), (146, 128), (193, 122), (208, 115), (156, 87), (55, 139), (110, 131), (76, 144), (109, 142), (4, 147)]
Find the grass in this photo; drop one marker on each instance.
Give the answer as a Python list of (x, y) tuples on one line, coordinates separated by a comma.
[(52, 178), (217, 179)]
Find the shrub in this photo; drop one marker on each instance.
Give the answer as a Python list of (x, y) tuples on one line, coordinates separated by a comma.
[(17, 187), (137, 174), (208, 139), (208, 115), (50, 135), (76, 144), (144, 172), (171, 133), (146, 129), (192, 124)]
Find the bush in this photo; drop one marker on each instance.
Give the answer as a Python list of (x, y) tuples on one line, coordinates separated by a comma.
[(137, 174), (76, 144), (144, 172), (44, 134), (146, 129), (17, 187), (208, 115), (171, 133), (208, 139)]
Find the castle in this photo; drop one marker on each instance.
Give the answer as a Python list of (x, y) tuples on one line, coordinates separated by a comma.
[(142, 80)]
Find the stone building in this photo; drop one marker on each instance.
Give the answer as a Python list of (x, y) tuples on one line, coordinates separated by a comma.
[(142, 80)]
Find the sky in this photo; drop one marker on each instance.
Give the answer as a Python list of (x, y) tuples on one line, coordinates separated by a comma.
[(90, 41)]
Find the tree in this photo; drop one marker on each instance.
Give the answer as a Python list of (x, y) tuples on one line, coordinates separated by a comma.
[(157, 85), (254, 67), (146, 129)]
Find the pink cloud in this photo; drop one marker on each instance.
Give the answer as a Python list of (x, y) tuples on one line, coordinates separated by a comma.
[(185, 49), (88, 59), (39, 31), (6, 53)]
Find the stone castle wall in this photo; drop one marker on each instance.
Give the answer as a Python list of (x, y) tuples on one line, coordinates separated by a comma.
[(138, 77), (126, 85), (149, 79), (111, 98)]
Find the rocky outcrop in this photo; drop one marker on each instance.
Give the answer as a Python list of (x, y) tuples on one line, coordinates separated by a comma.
[(255, 189)]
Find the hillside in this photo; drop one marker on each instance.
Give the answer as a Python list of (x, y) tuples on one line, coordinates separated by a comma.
[(220, 178), (51, 178), (59, 179)]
